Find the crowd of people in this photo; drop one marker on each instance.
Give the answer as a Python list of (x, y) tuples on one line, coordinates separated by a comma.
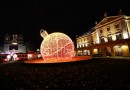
[(81, 76)]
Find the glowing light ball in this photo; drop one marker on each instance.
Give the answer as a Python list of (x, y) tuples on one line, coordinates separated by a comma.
[(56, 46)]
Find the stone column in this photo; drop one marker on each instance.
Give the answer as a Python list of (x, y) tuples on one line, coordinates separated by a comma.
[(112, 51), (103, 51)]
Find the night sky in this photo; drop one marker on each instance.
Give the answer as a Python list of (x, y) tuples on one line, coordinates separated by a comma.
[(72, 18)]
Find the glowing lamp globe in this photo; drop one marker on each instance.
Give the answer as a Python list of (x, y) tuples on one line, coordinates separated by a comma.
[(56, 45)]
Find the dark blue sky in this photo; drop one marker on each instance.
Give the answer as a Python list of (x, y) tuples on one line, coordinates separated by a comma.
[(72, 18)]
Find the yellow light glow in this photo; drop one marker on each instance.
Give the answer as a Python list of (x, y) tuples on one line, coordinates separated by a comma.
[(98, 41), (105, 39), (14, 43), (95, 51), (113, 37), (123, 46), (125, 35), (43, 33), (125, 50)]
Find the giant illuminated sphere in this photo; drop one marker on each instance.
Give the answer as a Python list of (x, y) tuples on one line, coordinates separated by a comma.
[(56, 46)]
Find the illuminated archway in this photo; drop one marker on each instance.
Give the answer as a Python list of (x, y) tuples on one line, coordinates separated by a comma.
[(117, 50), (108, 51)]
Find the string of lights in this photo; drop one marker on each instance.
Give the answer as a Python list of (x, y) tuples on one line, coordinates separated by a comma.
[(56, 46)]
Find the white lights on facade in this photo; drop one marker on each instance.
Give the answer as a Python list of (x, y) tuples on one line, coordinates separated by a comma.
[(113, 37), (83, 44), (77, 45), (86, 44), (110, 33), (105, 39), (97, 36), (125, 34)]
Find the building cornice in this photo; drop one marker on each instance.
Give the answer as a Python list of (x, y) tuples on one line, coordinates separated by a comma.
[(107, 23)]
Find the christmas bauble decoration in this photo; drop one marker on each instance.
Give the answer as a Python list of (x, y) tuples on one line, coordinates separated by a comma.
[(56, 45)]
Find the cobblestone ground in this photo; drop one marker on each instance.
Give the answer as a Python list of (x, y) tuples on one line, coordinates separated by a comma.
[(96, 74)]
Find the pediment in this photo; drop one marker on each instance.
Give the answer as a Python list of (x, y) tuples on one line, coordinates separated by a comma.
[(108, 19)]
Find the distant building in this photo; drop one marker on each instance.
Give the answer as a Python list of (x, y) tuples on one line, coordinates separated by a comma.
[(109, 37), (14, 44)]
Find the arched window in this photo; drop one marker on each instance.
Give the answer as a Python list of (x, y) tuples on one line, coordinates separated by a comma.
[(108, 29), (117, 26), (109, 37), (102, 39), (101, 31), (118, 35)]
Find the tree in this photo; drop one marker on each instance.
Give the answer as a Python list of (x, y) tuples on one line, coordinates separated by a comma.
[(29, 46), (1, 48)]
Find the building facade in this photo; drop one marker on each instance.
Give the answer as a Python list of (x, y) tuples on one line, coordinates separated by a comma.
[(14, 44), (109, 37)]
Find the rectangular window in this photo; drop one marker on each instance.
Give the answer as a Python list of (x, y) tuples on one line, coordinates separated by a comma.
[(13, 47), (109, 38), (108, 28), (101, 31), (117, 26), (102, 40), (119, 36)]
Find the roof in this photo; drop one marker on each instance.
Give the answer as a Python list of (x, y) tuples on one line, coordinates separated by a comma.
[(108, 19)]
